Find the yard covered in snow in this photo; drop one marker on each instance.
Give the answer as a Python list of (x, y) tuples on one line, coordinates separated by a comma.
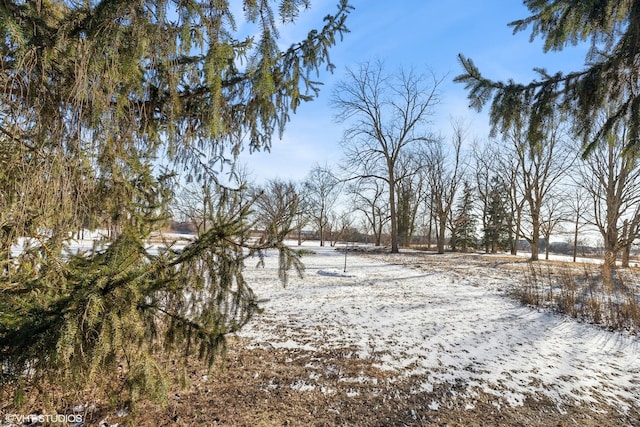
[(411, 339), (444, 320)]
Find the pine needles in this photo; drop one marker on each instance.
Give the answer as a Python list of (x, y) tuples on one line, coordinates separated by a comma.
[(102, 105)]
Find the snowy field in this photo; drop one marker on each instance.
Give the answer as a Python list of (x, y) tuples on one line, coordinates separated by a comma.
[(443, 319)]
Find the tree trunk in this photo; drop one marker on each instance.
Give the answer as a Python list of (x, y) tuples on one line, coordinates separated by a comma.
[(546, 252), (626, 249), (535, 238), (609, 266), (535, 248), (430, 228), (441, 232), (626, 254), (546, 249), (392, 207), (378, 235), (575, 237), (514, 232)]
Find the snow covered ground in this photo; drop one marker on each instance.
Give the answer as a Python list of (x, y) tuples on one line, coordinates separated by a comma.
[(444, 319)]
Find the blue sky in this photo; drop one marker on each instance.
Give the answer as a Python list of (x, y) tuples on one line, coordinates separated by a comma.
[(423, 34)]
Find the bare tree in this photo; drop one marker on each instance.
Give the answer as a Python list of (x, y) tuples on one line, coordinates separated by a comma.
[(321, 189), (445, 171), (577, 204), (540, 167), (302, 217), (630, 232), (429, 214), (197, 203), (509, 172), (483, 174), (368, 198), (410, 192), (493, 199), (276, 208), (385, 115), (552, 214), (611, 177), (340, 224)]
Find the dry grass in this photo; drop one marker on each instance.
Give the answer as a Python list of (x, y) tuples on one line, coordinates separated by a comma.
[(269, 387), (581, 294)]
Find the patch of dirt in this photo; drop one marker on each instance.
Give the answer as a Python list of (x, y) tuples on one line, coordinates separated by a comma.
[(280, 387)]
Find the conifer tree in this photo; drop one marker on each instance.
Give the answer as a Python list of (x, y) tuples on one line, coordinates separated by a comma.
[(463, 230), (496, 233), (610, 76), (96, 97)]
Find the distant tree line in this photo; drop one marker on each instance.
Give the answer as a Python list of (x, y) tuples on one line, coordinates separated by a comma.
[(465, 194)]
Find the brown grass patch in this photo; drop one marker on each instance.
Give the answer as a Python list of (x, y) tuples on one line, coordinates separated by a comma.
[(280, 387), (582, 294)]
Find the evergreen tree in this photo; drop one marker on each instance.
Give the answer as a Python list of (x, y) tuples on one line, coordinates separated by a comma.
[(463, 233), (94, 94), (496, 234), (609, 79)]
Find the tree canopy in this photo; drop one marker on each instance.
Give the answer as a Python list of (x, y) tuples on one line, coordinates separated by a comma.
[(610, 77), (387, 114), (106, 106)]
